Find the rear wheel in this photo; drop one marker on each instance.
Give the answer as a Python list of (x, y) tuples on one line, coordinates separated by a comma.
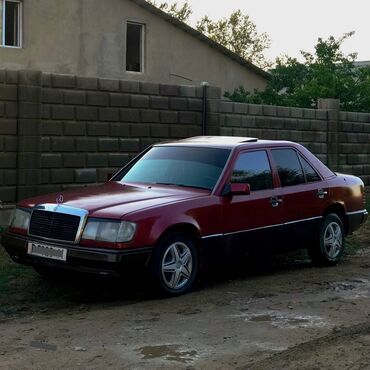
[(330, 248), (175, 264)]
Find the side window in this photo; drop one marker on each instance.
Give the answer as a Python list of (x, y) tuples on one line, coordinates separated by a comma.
[(289, 167), (253, 168), (135, 47), (310, 173), (10, 23)]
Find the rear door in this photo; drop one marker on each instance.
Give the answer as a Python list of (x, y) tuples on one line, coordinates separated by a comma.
[(304, 196), (252, 221)]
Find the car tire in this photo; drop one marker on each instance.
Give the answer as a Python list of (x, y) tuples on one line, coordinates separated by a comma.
[(329, 249), (175, 264)]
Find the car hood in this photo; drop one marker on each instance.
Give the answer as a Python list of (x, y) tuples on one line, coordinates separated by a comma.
[(114, 200)]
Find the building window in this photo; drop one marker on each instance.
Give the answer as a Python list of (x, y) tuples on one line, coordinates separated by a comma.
[(135, 47), (10, 23)]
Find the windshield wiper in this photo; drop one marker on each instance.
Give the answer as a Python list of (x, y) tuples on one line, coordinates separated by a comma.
[(182, 185), (164, 183)]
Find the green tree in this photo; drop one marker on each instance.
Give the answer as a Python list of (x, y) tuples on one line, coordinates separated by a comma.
[(237, 33), (326, 73), (182, 12)]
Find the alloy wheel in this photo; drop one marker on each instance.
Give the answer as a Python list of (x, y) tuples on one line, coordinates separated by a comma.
[(177, 265), (333, 240)]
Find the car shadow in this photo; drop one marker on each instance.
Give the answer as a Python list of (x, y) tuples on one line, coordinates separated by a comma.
[(76, 292), (130, 288), (256, 266)]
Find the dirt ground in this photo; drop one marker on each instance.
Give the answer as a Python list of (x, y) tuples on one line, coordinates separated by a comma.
[(276, 315)]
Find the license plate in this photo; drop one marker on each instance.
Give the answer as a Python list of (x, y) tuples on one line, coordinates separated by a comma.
[(47, 251)]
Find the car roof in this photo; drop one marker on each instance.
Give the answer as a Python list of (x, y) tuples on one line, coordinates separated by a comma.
[(226, 142), (241, 143)]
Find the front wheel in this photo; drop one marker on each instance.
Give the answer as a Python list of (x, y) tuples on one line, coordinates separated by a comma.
[(175, 264), (330, 248)]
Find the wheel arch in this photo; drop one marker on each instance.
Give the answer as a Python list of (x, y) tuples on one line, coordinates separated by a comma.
[(193, 234), (189, 229), (340, 211)]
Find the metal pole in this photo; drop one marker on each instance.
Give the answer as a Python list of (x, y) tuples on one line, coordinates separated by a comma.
[(205, 116)]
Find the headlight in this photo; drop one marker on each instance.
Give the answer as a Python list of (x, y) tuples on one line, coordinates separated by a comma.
[(21, 219), (109, 231)]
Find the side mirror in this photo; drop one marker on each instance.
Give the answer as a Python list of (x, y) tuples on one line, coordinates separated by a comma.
[(240, 189), (237, 189)]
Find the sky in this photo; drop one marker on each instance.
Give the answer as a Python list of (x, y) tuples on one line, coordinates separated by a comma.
[(295, 25)]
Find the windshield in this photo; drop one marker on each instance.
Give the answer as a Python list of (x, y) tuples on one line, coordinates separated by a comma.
[(181, 166)]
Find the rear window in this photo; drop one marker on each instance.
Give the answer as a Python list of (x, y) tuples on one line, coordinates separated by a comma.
[(310, 173), (289, 167)]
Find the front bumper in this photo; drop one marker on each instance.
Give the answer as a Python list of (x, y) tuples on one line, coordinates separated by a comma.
[(97, 261)]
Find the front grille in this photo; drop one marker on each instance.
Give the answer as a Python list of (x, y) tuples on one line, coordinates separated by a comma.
[(52, 225)]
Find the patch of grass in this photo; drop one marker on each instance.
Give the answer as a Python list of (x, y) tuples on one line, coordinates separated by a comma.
[(23, 291), (11, 276), (9, 273), (353, 246)]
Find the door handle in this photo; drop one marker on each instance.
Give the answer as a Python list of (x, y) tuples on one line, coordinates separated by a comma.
[(321, 193), (275, 201)]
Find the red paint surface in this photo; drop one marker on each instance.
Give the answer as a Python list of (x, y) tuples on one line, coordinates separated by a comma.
[(156, 208)]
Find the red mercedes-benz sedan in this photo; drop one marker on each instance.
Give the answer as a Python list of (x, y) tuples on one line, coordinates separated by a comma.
[(182, 205)]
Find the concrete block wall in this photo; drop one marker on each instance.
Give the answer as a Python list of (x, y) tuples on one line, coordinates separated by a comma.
[(8, 135), (91, 127), (305, 126), (339, 139), (354, 144), (29, 133), (63, 131)]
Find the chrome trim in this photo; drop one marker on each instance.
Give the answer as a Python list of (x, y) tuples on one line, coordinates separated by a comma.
[(60, 208), (212, 236), (306, 219), (364, 212), (255, 229), (263, 227)]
